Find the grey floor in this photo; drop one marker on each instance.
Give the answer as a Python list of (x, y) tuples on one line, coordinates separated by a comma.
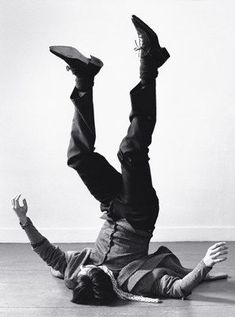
[(28, 289)]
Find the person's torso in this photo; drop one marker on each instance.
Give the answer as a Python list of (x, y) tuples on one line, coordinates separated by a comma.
[(118, 244)]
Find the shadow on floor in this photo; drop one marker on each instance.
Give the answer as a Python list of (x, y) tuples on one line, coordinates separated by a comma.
[(219, 292)]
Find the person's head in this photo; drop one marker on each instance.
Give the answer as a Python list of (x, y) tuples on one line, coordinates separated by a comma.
[(94, 287)]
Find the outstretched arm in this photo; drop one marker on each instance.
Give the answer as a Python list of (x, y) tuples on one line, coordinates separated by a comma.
[(49, 253), (170, 286)]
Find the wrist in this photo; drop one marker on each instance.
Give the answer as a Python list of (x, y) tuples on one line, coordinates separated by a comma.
[(207, 263), (23, 220)]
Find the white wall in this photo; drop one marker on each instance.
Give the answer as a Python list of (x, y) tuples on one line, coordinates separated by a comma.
[(193, 153)]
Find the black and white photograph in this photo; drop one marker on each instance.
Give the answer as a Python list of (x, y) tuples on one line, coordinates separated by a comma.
[(117, 166)]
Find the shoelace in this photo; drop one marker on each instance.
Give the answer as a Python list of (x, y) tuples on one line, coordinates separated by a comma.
[(138, 46)]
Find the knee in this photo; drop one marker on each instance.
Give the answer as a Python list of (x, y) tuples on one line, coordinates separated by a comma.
[(74, 162), (77, 161), (133, 158), (76, 156), (134, 147)]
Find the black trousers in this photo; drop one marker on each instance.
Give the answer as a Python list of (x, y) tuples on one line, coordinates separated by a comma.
[(129, 194)]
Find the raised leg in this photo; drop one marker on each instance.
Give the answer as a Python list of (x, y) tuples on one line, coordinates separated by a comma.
[(102, 180), (137, 200)]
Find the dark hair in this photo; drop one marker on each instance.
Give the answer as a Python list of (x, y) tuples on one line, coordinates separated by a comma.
[(94, 288)]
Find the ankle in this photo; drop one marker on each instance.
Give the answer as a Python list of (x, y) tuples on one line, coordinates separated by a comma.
[(148, 69), (84, 83)]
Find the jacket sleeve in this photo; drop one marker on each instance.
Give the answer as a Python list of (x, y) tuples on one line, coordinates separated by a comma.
[(51, 254), (171, 286)]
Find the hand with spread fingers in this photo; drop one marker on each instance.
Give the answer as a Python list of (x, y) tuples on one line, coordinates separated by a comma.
[(20, 211), (215, 254)]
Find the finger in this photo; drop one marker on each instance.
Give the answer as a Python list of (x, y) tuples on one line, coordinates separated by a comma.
[(16, 201), (220, 260), (25, 203), (219, 254), (18, 197), (224, 247), (17, 205), (13, 203), (216, 245)]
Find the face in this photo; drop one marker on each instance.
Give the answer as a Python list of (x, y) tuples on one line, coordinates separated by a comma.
[(84, 269)]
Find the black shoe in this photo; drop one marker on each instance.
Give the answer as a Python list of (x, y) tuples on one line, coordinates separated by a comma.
[(148, 43), (82, 67)]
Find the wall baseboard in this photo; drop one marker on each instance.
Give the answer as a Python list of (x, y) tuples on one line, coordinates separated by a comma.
[(170, 234)]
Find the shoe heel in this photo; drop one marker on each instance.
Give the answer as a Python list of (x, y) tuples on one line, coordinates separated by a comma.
[(95, 65), (165, 53), (96, 61)]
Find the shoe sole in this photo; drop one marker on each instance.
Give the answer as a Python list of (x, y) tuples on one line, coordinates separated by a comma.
[(71, 56)]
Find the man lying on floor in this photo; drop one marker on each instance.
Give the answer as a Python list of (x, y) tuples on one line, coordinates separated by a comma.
[(119, 264)]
